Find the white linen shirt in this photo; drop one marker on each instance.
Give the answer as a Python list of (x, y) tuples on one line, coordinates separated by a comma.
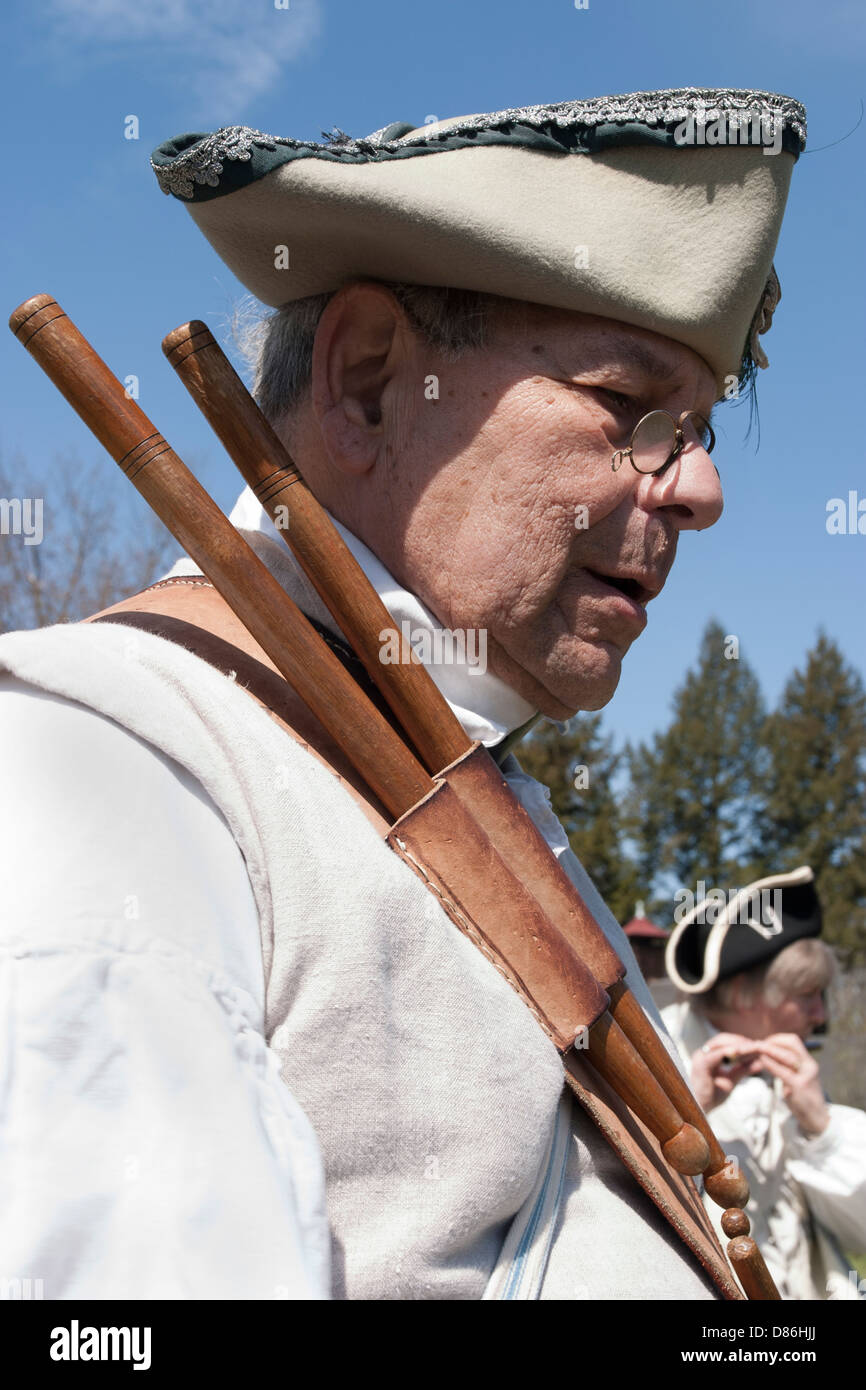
[(111, 1034)]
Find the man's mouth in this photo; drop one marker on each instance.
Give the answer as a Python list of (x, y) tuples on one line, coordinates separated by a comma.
[(631, 587)]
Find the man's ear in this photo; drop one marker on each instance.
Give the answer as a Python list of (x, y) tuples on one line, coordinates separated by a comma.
[(361, 343)]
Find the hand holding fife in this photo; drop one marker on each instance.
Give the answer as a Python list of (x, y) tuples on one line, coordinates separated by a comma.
[(714, 1075), (728, 1058), (785, 1055)]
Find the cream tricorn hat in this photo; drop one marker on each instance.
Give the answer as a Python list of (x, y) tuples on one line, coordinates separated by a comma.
[(658, 209)]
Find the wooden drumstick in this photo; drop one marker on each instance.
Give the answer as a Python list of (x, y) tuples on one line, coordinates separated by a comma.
[(725, 1183), (746, 1258), (304, 660)]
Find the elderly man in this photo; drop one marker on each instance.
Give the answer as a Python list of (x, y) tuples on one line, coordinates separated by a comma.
[(753, 975), (257, 1058)]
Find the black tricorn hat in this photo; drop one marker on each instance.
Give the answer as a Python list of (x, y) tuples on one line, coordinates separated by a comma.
[(727, 933)]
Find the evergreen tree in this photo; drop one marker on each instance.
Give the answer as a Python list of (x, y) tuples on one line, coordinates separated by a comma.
[(581, 768), (644, 825), (815, 791), (695, 791)]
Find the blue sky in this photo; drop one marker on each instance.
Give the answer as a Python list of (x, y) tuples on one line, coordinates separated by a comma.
[(86, 222)]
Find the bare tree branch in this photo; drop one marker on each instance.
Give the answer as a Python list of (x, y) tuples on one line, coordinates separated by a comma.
[(96, 542)]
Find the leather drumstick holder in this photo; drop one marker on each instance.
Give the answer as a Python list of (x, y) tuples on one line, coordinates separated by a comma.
[(454, 857)]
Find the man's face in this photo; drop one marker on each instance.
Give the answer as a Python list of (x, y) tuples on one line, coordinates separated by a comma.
[(497, 505), (800, 1014)]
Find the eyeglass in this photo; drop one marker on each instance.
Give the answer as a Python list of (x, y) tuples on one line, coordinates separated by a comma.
[(658, 439)]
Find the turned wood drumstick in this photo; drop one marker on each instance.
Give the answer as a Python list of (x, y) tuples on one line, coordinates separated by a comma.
[(306, 662), (269, 470), (746, 1258)]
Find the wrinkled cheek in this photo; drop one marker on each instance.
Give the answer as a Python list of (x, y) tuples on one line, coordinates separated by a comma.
[(527, 612), (516, 588)]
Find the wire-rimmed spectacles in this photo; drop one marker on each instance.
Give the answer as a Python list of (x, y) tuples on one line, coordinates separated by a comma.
[(657, 439)]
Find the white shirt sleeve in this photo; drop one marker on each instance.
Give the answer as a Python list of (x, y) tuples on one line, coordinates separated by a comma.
[(148, 1145), (831, 1172)]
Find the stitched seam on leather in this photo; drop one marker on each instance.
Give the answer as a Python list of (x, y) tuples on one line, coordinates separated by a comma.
[(196, 580), (467, 927), (341, 649)]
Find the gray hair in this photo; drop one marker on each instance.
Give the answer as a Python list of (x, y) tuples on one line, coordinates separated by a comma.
[(281, 344), (801, 968)]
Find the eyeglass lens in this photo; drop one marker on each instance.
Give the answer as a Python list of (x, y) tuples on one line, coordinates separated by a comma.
[(655, 439)]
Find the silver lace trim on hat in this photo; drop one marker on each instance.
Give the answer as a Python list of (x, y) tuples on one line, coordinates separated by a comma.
[(203, 162)]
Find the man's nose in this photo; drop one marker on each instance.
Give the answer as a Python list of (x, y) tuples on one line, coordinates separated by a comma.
[(689, 490)]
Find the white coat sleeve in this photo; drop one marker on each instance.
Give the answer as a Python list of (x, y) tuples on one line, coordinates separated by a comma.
[(148, 1145), (831, 1171)]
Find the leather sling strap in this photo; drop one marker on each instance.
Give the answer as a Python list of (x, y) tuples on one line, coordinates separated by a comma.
[(187, 610)]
